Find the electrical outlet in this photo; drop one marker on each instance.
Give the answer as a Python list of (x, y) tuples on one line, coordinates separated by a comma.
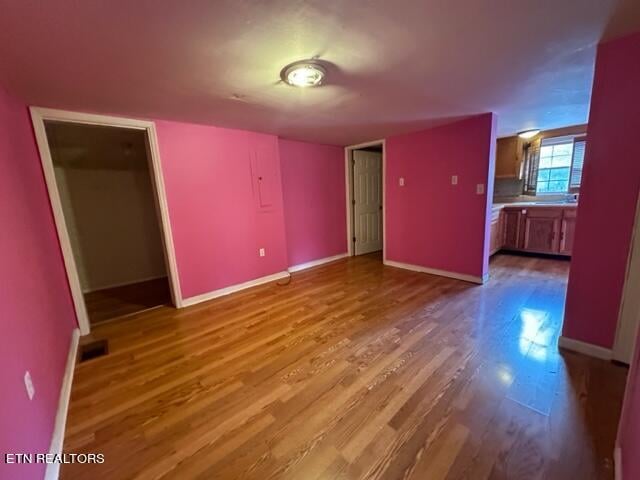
[(480, 188), (401, 182), (454, 179), (28, 383), (262, 252)]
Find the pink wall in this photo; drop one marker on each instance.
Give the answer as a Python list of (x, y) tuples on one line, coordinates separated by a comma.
[(430, 222), (36, 313), (608, 195), (221, 213), (313, 188), (606, 215)]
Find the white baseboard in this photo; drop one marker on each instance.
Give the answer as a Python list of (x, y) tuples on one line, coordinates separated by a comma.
[(617, 463), (585, 348), (442, 273), (53, 469), (315, 263), (122, 284), (232, 288)]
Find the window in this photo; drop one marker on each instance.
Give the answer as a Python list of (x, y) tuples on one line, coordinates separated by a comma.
[(560, 165), (554, 168)]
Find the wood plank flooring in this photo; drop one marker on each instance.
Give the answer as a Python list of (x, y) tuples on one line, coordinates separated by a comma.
[(352, 371), (116, 302)]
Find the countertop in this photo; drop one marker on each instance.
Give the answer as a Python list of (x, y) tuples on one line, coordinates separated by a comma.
[(500, 206)]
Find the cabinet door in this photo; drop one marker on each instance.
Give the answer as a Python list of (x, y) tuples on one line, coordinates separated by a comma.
[(494, 240), (542, 230), (567, 231), (508, 157), (495, 237), (511, 226)]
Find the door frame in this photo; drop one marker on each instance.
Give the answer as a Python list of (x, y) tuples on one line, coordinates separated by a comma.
[(38, 118), (348, 176), (621, 334)]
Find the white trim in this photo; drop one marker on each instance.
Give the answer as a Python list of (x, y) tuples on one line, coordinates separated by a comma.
[(348, 181), (186, 302), (38, 117), (433, 271), (622, 334), (585, 348), (617, 463), (315, 263), (123, 284), (57, 439)]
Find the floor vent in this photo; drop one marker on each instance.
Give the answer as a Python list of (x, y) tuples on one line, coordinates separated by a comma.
[(92, 350)]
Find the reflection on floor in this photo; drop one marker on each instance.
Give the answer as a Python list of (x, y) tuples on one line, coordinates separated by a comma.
[(353, 370), (116, 302)]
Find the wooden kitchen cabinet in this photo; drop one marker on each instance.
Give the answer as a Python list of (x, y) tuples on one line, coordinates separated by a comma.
[(542, 230), (538, 229), (567, 231), (511, 228), (495, 239), (509, 157)]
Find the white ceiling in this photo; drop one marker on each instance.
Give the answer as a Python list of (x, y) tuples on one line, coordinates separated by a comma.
[(395, 66)]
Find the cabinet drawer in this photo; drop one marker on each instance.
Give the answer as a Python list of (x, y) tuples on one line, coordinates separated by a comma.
[(538, 212)]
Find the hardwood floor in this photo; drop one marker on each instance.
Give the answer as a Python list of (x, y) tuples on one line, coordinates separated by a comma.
[(351, 371), (116, 302)]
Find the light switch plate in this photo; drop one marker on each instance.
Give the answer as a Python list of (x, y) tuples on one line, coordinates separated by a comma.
[(401, 182), (454, 179), (28, 383), (480, 188), (261, 252)]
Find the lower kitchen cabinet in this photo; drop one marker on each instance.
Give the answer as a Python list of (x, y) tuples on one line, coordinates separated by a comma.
[(567, 231), (542, 230), (538, 229), (495, 239), (512, 228)]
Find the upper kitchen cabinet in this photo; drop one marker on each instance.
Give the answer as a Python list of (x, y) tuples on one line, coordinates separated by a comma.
[(509, 158)]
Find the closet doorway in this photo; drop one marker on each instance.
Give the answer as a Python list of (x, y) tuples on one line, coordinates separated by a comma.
[(107, 195), (365, 198)]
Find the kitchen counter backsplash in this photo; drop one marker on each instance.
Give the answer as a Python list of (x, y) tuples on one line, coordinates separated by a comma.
[(508, 187), (509, 190)]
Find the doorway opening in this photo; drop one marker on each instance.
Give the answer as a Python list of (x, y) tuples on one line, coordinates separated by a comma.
[(365, 198), (107, 196)]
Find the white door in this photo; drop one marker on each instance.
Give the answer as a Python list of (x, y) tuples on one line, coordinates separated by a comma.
[(630, 310), (367, 206)]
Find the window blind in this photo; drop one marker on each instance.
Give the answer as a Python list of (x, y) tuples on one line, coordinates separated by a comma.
[(532, 157), (579, 144)]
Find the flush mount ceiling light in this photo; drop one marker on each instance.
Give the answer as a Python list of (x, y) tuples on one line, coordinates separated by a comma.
[(305, 73), (529, 133)]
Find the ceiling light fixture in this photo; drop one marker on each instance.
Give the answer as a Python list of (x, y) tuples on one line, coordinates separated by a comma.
[(305, 73), (529, 133)]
